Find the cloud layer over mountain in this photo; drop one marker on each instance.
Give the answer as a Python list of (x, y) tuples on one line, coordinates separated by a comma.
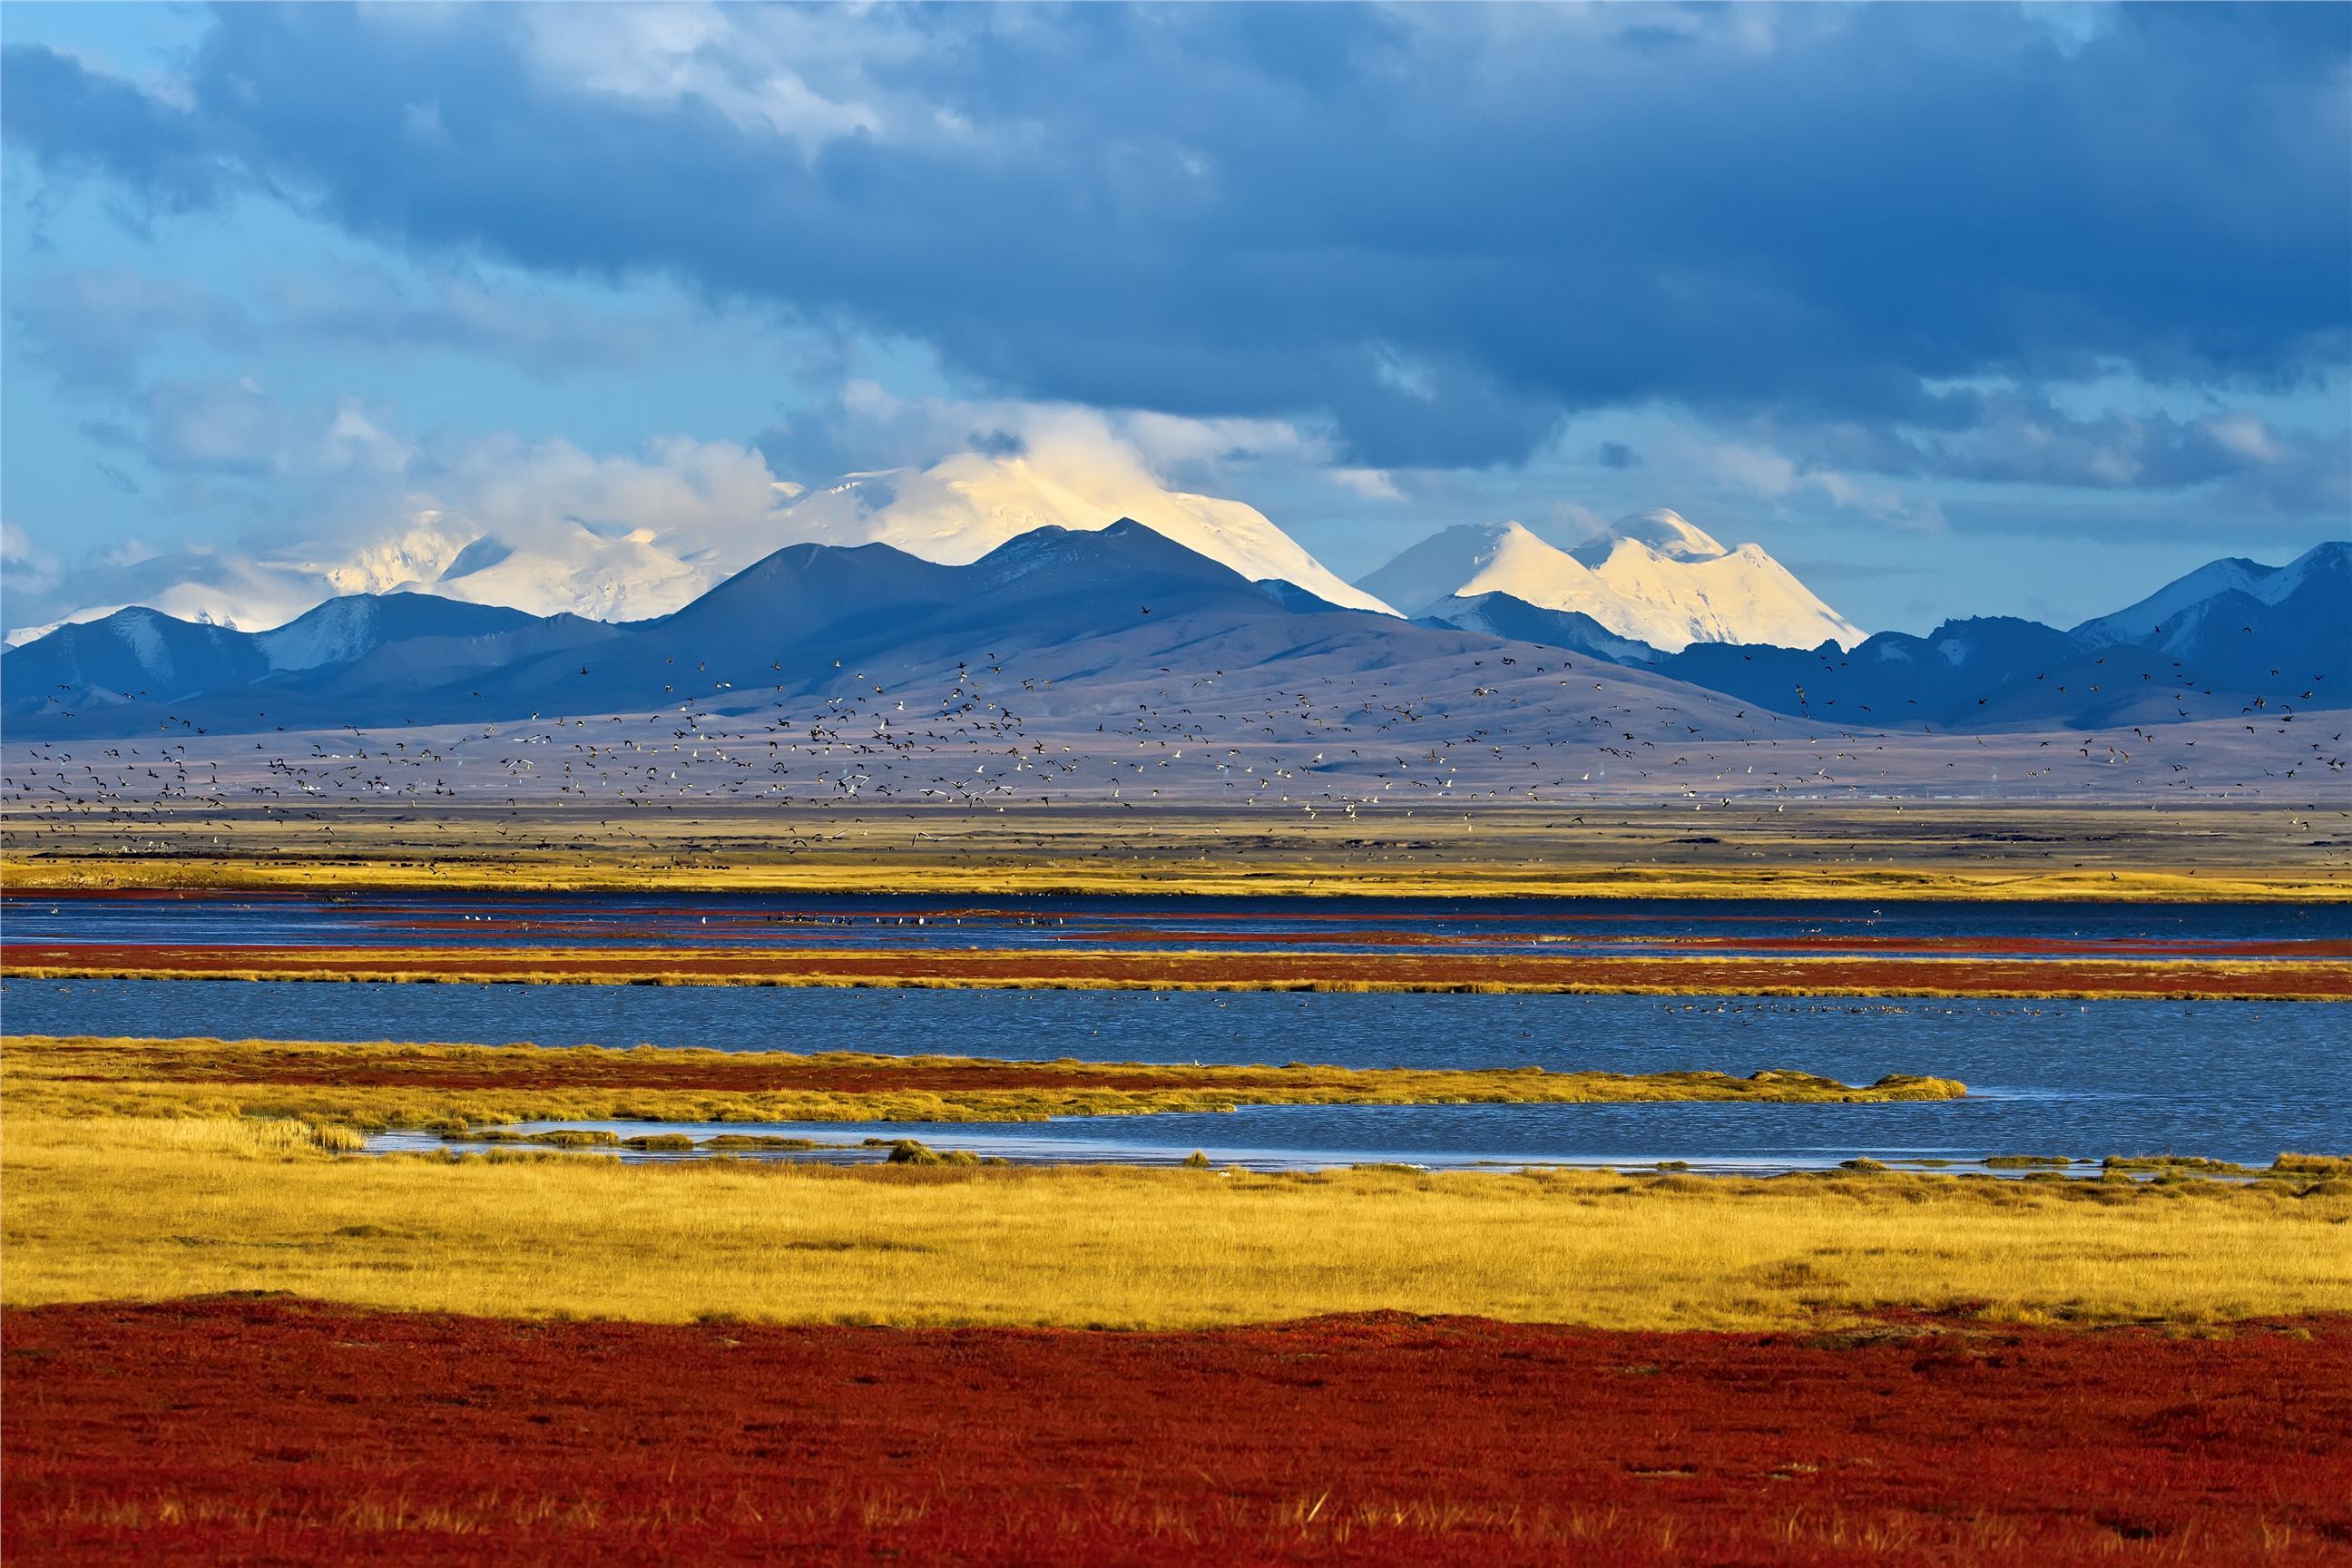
[(1446, 227), (289, 286)]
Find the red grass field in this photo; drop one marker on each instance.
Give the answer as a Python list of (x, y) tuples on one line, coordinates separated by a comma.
[(273, 1431)]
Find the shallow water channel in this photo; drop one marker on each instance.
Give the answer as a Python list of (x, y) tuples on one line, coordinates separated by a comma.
[(2232, 1080)]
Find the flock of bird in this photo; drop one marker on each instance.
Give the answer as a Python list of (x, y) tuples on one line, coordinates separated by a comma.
[(1517, 727)]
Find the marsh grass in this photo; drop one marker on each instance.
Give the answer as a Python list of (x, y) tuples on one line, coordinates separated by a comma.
[(2177, 1165), (147, 1209), (465, 1088), (261, 1138)]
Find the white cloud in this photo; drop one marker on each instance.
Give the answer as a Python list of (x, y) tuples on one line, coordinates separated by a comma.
[(27, 567), (1778, 477), (1400, 372), (1372, 484), (752, 68), (870, 428), (353, 439), (1581, 520), (2246, 436), (1885, 502), (219, 424), (617, 535), (547, 526), (1164, 439)]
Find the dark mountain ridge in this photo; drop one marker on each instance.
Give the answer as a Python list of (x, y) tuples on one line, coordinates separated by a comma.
[(2213, 642), (1109, 604)]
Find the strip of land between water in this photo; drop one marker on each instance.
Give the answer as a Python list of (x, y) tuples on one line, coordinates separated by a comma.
[(393, 1084), (1155, 970)]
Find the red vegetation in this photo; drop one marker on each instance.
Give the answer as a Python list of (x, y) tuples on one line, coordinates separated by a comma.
[(1699, 972), (270, 1431)]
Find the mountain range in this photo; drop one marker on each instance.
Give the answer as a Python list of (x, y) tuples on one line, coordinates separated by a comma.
[(958, 510), (1097, 610), (1653, 578), (2233, 632), (953, 512)]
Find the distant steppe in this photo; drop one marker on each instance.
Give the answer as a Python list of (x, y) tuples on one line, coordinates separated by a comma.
[(1979, 849)]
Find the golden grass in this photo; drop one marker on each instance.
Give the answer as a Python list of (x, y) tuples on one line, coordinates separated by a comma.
[(1991, 850), (2254, 980), (434, 1086), (1489, 879), (94, 1209), (1484, 880)]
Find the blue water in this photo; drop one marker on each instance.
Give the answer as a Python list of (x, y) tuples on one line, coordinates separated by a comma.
[(2232, 1080)]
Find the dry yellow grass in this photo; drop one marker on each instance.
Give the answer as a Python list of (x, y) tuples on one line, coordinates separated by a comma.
[(1988, 850), (390, 1084), (2253, 980), (93, 1209), (1474, 880)]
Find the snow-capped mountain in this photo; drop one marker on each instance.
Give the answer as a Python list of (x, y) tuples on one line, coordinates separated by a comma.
[(624, 577), (1471, 559), (2176, 617), (1655, 578), (1114, 611), (2144, 621), (572, 569), (204, 588), (953, 512), (958, 510)]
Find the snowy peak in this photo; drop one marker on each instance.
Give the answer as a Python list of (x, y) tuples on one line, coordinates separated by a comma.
[(1663, 532), (952, 513), (1475, 558), (2173, 616), (1742, 595), (2332, 560), (582, 572), (958, 510), (1655, 578), (338, 631), (2147, 619)]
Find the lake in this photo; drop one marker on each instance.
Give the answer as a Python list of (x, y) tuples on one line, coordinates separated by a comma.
[(1561, 926), (2232, 1080)]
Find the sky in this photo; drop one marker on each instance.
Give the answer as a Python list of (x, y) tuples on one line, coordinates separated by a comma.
[(1957, 311)]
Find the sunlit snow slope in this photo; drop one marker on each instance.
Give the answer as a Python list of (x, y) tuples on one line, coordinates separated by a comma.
[(1653, 577)]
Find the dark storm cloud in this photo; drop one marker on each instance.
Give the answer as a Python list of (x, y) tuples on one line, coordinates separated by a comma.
[(77, 120), (1444, 228)]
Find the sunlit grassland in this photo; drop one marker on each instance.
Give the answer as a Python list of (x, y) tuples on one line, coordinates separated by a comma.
[(1182, 970), (450, 1086), (1472, 879), (138, 1208), (1987, 850)]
